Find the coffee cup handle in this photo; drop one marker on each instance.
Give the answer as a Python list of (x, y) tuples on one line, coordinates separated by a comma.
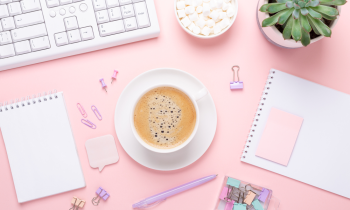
[(203, 92)]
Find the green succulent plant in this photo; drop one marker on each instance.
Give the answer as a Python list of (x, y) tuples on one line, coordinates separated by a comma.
[(300, 17)]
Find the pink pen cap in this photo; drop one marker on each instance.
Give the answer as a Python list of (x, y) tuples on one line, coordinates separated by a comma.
[(104, 86), (114, 76)]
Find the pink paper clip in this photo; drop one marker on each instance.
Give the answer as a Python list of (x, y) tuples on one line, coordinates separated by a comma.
[(82, 110), (88, 123), (236, 85), (97, 113)]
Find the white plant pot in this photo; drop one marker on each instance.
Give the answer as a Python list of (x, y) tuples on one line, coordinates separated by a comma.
[(273, 35)]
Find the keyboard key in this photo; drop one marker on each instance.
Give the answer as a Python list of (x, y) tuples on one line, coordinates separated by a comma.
[(127, 11), (5, 38), (29, 32), (40, 43), (30, 5), (7, 51), (114, 13), (123, 2), (111, 28), (5, 1), (61, 39), (112, 3), (86, 33), (52, 3), (130, 24), (63, 2), (102, 16), (99, 4), (8, 23), (142, 15), (22, 47), (71, 23), (4, 11), (28, 19), (14, 8), (74, 36)]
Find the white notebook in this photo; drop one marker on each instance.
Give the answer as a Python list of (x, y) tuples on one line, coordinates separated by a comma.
[(321, 154), (40, 147)]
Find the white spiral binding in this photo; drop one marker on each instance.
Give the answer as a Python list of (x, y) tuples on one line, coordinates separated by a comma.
[(255, 124), (27, 102)]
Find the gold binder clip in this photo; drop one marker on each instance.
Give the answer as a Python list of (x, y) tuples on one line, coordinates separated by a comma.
[(77, 203)]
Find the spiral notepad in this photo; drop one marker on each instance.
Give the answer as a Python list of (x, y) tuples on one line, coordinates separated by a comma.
[(40, 147), (320, 156)]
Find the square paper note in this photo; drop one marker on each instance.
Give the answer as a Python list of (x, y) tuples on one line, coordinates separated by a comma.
[(279, 137)]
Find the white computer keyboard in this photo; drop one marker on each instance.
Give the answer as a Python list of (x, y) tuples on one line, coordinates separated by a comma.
[(33, 31)]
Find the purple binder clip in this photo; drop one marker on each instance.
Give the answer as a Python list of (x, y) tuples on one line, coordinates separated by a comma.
[(101, 193), (236, 85), (263, 195)]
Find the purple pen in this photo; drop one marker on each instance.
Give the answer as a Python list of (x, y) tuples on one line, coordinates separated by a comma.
[(153, 200)]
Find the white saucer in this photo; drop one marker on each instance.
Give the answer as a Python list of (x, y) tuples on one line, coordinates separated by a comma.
[(172, 161)]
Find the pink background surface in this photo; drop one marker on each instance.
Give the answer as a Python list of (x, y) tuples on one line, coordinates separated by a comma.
[(325, 62)]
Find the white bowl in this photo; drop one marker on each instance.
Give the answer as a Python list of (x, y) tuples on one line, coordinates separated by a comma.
[(235, 2)]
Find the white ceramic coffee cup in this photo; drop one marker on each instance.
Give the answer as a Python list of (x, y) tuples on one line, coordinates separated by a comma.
[(194, 98)]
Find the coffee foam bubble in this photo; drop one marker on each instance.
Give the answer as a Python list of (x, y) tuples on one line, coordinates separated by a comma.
[(164, 117)]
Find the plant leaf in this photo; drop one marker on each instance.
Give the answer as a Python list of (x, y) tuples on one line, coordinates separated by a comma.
[(301, 4), (289, 4), (282, 1), (313, 27), (329, 17), (284, 17), (276, 8), (305, 23), (296, 14), (296, 30), (264, 7), (287, 32), (334, 2), (271, 20), (304, 11), (305, 37), (314, 3), (321, 27), (296, 6), (330, 11), (314, 14), (306, 1)]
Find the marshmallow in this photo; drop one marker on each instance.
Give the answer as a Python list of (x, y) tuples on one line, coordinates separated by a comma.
[(219, 3), (213, 4), (189, 10), (196, 30), (222, 15), (203, 17), (191, 26), (199, 9), (180, 5), (189, 2), (210, 23), (214, 15), (225, 6), (186, 21), (194, 16), (225, 22), (206, 9), (200, 23), (181, 13), (230, 11), (217, 28), (206, 31), (197, 3)]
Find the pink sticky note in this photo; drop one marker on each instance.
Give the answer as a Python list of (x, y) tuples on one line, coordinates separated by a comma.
[(279, 137)]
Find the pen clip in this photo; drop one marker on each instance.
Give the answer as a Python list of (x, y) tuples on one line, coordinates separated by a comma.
[(152, 204)]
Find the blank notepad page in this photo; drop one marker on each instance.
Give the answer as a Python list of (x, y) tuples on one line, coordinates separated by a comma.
[(40, 147)]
